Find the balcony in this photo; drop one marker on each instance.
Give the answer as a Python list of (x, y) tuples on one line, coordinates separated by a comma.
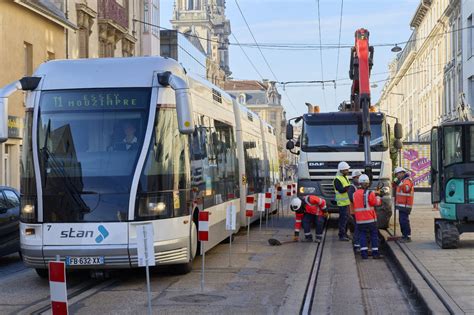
[(112, 11)]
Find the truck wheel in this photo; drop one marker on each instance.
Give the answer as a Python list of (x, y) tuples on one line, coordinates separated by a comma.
[(42, 273), (446, 235)]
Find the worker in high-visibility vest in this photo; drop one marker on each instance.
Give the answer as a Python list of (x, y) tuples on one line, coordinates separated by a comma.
[(352, 189), (404, 201), (341, 186), (295, 206), (366, 218), (310, 209)]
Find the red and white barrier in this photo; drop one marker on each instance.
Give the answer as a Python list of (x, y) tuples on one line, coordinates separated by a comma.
[(268, 200), (249, 206), (288, 190), (57, 287), (279, 192), (203, 226)]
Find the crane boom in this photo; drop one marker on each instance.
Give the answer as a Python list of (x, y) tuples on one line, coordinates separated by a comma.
[(359, 73)]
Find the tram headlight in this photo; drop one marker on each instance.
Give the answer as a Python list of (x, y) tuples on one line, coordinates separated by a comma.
[(28, 209), (153, 206)]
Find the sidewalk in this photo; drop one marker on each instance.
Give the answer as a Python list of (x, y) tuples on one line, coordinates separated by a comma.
[(449, 271)]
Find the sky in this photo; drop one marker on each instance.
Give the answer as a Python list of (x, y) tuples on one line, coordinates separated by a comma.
[(296, 21)]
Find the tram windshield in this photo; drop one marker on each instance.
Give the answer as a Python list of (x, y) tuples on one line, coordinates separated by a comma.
[(88, 146)]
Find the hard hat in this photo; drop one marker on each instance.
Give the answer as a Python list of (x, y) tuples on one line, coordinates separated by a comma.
[(295, 204), (364, 179), (343, 166), (398, 169), (356, 173)]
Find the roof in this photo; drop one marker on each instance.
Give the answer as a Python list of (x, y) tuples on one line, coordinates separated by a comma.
[(49, 10), (245, 85)]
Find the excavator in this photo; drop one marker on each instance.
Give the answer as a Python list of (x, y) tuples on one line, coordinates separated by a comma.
[(356, 134)]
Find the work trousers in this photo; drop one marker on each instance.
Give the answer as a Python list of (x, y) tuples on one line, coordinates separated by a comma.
[(404, 220), (318, 220), (368, 230), (343, 213), (356, 236)]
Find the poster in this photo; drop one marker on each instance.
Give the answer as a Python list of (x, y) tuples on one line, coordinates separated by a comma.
[(416, 159)]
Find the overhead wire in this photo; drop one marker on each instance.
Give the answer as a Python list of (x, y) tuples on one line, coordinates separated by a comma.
[(338, 51), (261, 52), (321, 53), (247, 56)]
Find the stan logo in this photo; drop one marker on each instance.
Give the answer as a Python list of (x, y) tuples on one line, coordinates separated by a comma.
[(103, 234)]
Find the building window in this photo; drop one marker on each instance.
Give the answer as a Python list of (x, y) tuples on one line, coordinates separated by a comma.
[(83, 37), (470, 37), (471, 91), (146, 17), (155, 16), (28, 54), (242, 99)]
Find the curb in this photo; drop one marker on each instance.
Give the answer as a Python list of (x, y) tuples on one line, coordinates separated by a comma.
[(423, 289)]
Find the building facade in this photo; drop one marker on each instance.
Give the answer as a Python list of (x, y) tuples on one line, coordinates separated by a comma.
[(263, 99), (31, 32), (205, 25), (467, 15), (417, 91)]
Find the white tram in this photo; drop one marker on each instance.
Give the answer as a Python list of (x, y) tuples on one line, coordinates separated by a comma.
[(112, 143)]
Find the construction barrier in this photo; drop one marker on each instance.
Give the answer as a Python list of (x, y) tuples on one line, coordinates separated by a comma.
[(57, 287), (249, 206), (203, 226)]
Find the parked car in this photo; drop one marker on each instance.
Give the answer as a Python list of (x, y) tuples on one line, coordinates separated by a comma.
[(9, 220)]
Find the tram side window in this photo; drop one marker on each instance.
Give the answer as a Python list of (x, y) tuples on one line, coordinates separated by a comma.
[(253, 164), (452, 145), (164, 183)]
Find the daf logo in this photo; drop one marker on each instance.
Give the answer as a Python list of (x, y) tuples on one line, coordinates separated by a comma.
[(100, 235), (316, 163)]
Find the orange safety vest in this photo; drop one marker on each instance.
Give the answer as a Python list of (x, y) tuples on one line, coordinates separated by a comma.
[(405, 193), (315, 205), (364, 203)]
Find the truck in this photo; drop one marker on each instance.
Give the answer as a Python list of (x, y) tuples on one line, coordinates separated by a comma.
[(356, 134)]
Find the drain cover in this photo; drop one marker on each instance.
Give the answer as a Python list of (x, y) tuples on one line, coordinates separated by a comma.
[(198, 298)]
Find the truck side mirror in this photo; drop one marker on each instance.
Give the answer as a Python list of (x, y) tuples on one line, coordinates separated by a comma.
[(398, 144), (398, 131), (289, 132), (290, 145), (184, 109)]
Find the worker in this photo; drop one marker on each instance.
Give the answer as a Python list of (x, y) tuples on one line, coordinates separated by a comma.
[(315, 208), (404, 201), (366, 217), (295, 206), (352, 189), (341, 186)]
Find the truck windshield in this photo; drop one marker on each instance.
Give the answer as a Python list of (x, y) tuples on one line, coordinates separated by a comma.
[(88, 145), (341, 137)]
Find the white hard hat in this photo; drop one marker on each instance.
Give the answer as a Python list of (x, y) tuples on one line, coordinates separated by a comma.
[(364, 179), (343, 166), (295, 204), (399, 169), (356, 173)]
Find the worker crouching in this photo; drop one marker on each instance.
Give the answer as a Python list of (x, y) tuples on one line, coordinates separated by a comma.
[(366, 217), (313, 210)]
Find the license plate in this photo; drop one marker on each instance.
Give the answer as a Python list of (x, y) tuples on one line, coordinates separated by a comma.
[(84, 261)]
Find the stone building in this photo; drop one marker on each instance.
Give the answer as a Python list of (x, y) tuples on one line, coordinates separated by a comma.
[(263, 98), (422, 85), (31, 33), (204, 23)]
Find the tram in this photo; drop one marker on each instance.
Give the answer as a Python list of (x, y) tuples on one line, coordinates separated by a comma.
[(115, 142)]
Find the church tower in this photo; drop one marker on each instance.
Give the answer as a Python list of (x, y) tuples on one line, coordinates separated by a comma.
[(207, 28)]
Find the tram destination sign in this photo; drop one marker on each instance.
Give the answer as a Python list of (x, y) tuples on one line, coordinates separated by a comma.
[(96, 99)]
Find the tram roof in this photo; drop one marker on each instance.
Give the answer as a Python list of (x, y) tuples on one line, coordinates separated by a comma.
[(104, 72)]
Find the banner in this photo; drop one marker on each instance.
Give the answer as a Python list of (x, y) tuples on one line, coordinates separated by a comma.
[(416, 159)]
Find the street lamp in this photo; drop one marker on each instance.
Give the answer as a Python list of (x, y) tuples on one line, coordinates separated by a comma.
[(396, 48)]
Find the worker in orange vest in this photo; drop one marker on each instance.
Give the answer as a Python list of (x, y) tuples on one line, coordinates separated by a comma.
[(352, 189), (296, 207), (366, 218), (404, 201), (313, 210)]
